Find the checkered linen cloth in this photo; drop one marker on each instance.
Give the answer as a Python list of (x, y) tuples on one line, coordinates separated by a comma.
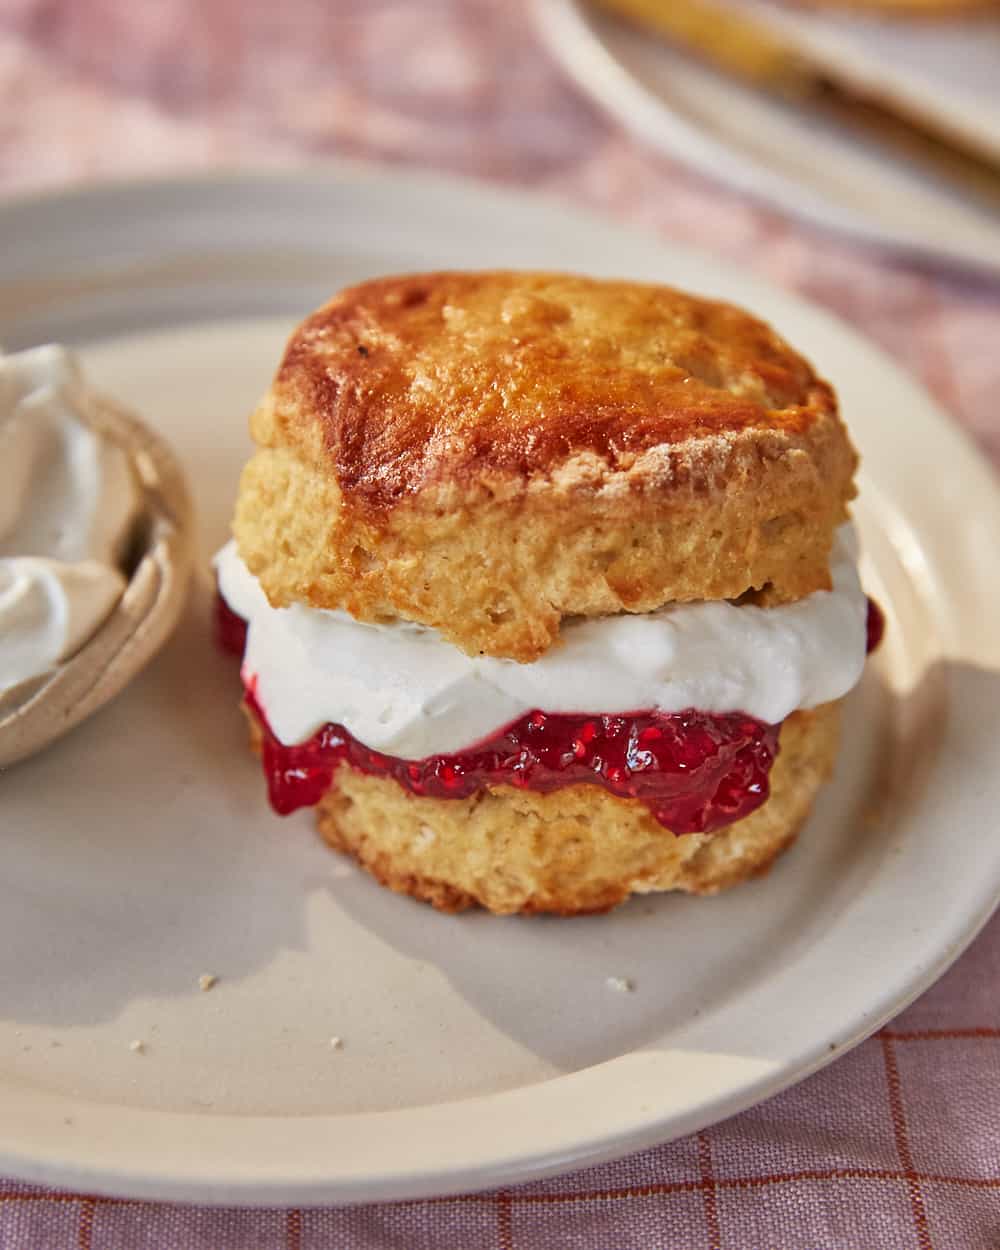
[(898, 1143)]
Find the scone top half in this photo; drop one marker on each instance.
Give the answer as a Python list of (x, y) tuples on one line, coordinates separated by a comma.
[(491, 453)]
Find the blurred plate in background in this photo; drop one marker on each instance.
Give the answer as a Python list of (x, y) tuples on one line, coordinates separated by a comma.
[(737, 135)]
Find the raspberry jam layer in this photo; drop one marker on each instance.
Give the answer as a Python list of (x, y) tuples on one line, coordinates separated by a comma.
[(874, 626), (230, 628), (694, 771)]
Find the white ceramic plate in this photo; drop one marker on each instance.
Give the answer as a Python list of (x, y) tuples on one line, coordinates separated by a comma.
[(733, 133), (139, 853)]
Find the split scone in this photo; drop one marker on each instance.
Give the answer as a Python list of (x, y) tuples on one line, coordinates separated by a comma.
[(549, 588)]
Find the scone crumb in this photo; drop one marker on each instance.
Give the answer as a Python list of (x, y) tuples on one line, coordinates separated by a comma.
[(137, 1047), (621, 985), (336, 1043), (206, 981)]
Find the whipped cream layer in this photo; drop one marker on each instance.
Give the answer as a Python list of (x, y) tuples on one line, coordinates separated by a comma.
[(401, 689), (68, 502)]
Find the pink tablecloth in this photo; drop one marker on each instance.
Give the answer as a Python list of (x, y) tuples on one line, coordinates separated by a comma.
[(897, 1144)]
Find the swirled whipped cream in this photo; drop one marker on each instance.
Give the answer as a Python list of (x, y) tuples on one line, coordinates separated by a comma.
[(401, 689), (68, 503)]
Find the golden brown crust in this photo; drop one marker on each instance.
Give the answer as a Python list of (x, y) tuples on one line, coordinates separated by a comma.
[(460, 377), (575, 851), (488, 453)]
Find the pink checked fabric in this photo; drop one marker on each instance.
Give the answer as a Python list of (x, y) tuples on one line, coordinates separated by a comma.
[(897, 1144)]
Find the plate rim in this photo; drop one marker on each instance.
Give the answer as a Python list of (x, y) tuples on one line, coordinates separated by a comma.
[(67, 1161)]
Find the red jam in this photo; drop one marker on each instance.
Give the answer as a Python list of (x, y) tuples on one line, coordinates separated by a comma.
[(230, 629), (694, 771), (874, 625)]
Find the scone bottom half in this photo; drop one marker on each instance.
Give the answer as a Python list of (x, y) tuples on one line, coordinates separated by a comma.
[(496, 471)]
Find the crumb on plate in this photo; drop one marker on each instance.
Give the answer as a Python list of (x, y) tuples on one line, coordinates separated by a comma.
[(621, 985)]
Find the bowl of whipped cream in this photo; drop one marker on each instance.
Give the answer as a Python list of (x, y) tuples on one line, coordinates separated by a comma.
[(95, 547)]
